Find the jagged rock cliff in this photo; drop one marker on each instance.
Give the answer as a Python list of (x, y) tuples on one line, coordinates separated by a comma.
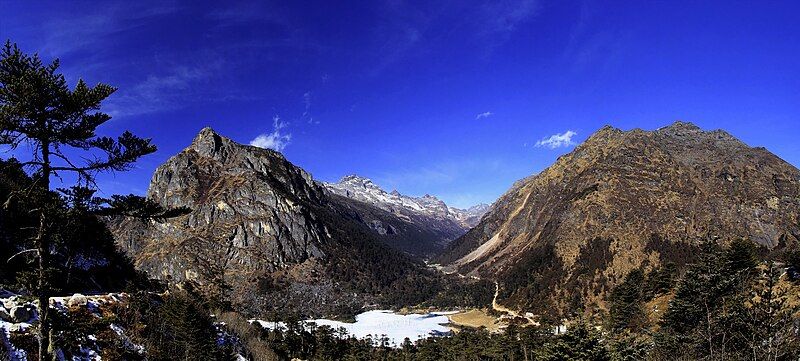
[(259, 225), (625, 199)]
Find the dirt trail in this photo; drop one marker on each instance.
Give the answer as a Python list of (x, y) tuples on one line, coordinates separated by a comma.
[(498, 307)]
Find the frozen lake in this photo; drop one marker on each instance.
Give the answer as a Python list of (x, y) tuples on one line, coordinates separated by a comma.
[(395, 326)]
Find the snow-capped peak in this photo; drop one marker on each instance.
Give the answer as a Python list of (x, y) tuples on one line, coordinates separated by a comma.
[(365, 190)]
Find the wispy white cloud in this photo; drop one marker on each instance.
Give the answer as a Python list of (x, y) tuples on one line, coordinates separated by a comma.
[(88, 31), (503, 17), (590, 47), (498, 20), (307, 96), (276, 140), (483, 115), (557, 140), (177, 87), (248, 12), (488, 26)]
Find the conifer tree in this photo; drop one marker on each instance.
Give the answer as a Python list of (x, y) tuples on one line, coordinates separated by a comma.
[(627, 303), (771, 333), (58, 125)]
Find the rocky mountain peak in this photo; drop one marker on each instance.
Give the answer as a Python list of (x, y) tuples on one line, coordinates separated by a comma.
[(681, 127), (208, 142), (624, 200), (359, 182), (604, 134), (241, 197), (478, 208)]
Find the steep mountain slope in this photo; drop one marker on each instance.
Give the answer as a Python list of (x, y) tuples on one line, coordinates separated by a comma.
[(261, 230), (415, 239), (625, 199), (426, 212)]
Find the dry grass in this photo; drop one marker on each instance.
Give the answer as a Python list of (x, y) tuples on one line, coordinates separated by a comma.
[(656, 307), (791, 290), (475, 318)]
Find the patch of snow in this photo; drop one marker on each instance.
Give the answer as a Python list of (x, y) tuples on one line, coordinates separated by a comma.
[(125, 340), (88, 354), (5, 339), (395, 327)]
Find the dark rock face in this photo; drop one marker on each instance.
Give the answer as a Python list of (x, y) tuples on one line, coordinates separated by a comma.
[(418, 240), (625, 199), (258, 225)]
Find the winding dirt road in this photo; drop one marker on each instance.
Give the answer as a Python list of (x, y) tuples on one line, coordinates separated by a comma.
[(498, 307)]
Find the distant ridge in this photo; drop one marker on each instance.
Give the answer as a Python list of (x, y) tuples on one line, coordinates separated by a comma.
[(427, 211)]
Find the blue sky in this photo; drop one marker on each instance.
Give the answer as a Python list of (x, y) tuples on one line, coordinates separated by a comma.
[(446, 98)]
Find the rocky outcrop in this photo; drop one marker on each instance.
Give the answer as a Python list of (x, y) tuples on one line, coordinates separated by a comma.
[(258, 224), (623, 200)]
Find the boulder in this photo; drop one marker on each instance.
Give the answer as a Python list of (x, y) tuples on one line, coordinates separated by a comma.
[(21, 314), (77, 300)]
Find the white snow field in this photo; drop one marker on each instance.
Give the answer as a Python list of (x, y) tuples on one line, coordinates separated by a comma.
[(395, 326)]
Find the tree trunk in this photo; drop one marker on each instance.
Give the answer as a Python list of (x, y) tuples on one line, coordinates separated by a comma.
[(43, 247)]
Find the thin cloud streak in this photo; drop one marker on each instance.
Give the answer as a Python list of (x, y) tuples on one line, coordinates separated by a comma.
[(307, 96), (483, 115), (179, 87)]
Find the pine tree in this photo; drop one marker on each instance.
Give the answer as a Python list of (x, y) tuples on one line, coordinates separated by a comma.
[(58, 125), (689, 318), (792, 258), (740, 256), (579, 343), (182, 329), (660, 280), (771, 332), (627, 303)]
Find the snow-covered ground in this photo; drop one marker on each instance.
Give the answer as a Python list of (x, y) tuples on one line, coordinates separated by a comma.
[(88, 351), (395, 326)]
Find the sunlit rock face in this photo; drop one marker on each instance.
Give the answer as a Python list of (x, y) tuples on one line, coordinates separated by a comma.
[(250, 210), (623, 200), (257, 223)]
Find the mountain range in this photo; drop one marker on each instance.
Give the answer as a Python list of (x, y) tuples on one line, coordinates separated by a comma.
[(559, 239), (427, 211)]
